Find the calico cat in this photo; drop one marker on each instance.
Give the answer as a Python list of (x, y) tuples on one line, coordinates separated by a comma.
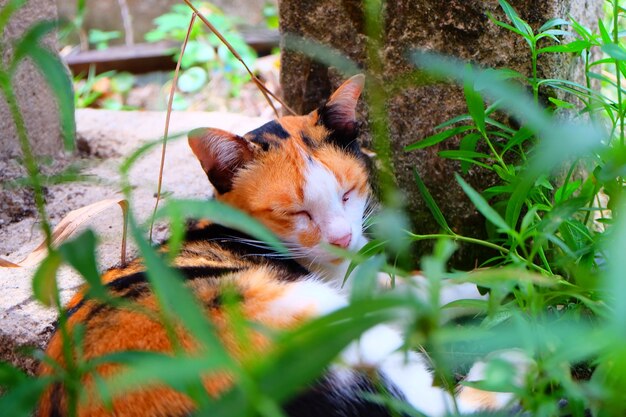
[(305, 178)]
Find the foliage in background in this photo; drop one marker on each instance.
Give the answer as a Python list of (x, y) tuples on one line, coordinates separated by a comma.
[(107, 90), (556, 284), (205, 57)]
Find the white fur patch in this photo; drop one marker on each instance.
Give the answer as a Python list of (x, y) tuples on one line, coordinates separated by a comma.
[(411, 375), (372, 347), (309, 295), (323, 199)]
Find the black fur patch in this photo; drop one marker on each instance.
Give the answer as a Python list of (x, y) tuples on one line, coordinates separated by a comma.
[(56, 393), (231, 240), (265, 135), (326, 399), (310, 143)]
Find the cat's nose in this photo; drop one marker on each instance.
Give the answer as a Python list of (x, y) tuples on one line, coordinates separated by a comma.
[(343, 241)]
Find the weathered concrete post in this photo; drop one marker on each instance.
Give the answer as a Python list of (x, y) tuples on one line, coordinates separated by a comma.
[(36, 101), (459, 28), (38, 107)]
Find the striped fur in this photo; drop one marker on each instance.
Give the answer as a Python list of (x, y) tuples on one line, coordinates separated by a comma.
[(305, 178)]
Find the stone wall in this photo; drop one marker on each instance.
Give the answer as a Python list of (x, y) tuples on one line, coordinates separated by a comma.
[(459, 28)]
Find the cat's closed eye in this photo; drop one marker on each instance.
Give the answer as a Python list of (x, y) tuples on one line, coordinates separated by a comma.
[(302, 213), (347, 195)]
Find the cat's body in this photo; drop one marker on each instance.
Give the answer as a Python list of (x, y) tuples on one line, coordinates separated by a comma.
[(305, 179)]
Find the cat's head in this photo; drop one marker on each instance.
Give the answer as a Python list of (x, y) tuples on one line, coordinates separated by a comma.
[(304, 177)]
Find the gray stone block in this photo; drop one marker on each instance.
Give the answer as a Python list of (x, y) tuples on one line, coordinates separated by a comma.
[(459, 28)]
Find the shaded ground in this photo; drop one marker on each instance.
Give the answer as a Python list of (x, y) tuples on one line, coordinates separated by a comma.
[(104, 139)]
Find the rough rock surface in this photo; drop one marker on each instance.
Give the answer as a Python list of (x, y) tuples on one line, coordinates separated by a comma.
[(105, 138), (39, 110), (34, 97), (459, 28)]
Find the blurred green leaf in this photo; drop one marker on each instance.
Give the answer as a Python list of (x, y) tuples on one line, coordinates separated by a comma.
[(302, 355), (614, 51), (222, 214), (7, 11), (45, 279), (80, 253), (475, 104), (10, 376), (20, 401), (192, 80), (175, 300)]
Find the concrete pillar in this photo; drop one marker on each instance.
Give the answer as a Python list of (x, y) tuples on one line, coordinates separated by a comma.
[(36, 101), (459, 28)]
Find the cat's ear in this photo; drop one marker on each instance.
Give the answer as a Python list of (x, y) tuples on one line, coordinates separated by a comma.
[(338, 115), (221, 154)]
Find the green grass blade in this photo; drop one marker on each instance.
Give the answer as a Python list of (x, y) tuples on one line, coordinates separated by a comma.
[(176, 301), (483, 207), (222, 214), (80, 253), (475, 105), (437, 138), (45, 287), (7, 11), (430, 203)]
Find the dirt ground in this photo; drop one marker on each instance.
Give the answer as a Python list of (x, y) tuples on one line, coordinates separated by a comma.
[(104, 139)]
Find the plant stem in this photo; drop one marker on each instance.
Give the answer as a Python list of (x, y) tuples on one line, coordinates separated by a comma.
[(459, 238), (534, 63), (620, 110)]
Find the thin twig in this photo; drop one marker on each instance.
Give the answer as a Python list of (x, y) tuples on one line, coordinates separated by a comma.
[(167, 120), (127, 21), (264, 90)]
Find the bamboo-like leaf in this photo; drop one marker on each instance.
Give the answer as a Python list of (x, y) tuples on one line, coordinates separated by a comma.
[(437, 137), (468, 143), (606, 37), (80, 253), (482, 206), (614, 51), (175, 300), (222, 214), (7, 11), (466, 155), (45, 280), (66, 227), (553, 23), (369, 249), (575, 47), (430, 202), (302, 355), (515, 19), (177, 372), (475, 105)]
